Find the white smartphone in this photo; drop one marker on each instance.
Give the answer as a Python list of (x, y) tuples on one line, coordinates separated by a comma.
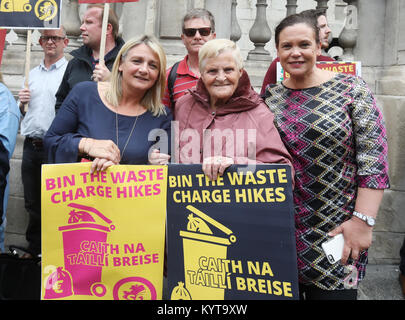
[(333, 248)]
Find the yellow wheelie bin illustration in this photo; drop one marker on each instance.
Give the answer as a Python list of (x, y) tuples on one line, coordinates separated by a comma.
[(15, 6), (199, 244)]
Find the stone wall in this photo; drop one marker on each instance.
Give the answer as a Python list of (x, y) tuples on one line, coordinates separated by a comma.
[(380, 47), (390, 229)]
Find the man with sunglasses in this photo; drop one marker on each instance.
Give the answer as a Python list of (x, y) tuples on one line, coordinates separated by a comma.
[(39, 96), (198, 28)]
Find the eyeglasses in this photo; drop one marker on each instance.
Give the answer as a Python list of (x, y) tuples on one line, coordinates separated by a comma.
[(53, 38), (190, 32)]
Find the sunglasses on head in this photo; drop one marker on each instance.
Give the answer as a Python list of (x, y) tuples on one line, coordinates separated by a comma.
[(190, 32)]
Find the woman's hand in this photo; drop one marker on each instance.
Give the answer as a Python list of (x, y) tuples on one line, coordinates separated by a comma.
[(215, 166), (157, 158), (357, 235), (100, 165), (103, 149)]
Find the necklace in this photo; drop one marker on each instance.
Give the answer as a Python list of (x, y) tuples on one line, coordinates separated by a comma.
[(129, 136)]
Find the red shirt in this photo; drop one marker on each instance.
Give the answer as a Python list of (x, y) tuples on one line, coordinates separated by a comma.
[(185, 80), (271, 73)]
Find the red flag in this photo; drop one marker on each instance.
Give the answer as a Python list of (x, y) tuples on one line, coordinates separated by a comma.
[(106, 1), (3, 33)]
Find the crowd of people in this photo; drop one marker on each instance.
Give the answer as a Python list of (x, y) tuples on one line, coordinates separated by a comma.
[(325, 125)]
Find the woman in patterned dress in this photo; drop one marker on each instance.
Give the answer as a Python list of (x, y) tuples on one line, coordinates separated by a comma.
[(335, 133)]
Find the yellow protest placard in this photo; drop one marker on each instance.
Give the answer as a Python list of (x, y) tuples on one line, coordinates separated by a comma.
[(103, 234)]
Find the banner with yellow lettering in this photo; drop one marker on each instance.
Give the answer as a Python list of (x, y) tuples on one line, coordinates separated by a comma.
[(103, 234), (347, 67), (232, 238)]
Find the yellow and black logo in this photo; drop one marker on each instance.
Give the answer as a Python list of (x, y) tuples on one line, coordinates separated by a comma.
[(44, 10)]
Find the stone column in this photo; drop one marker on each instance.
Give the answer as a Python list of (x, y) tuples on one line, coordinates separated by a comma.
[(71, 22), (291, 7), (260, 34), (133, 19), (222, 11), (390, 89), (348, 36), (371, 35), (322, 4), (236, 32)]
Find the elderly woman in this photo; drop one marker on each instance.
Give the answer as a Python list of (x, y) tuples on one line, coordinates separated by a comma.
[(112, 123), (335, 133), (223, 121)]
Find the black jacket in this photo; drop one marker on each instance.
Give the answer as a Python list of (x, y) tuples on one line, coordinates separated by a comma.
[(80, 69)]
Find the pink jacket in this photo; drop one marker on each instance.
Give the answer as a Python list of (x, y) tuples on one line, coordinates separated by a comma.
[(242, 129)]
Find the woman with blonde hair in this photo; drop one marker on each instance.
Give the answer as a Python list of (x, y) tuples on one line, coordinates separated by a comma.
[(115, 122)]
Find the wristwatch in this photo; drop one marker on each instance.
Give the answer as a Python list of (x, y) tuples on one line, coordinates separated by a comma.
[(367, 219)]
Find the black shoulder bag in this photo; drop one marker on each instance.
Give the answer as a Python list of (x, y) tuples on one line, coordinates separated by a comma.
[(170, 82)]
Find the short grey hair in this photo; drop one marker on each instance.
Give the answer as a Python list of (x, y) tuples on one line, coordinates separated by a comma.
[(41, 31), (199, 13), (214, 48)]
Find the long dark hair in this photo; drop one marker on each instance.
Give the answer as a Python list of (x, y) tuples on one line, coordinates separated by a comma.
[(293, 20)]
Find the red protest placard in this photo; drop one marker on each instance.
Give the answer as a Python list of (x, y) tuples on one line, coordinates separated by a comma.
[(3, 33), (106, 1)]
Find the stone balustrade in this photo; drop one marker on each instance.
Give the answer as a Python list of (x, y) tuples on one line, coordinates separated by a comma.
[(163, 18)]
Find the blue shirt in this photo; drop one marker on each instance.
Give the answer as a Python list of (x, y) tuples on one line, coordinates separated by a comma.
[(43, 84), (9, 121), (83, 114)]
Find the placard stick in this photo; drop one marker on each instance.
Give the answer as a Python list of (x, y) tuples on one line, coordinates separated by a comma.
[(27, 64), (103, 33)]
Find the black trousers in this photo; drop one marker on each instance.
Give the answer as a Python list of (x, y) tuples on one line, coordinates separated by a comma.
[(309, 292), (33, 158)]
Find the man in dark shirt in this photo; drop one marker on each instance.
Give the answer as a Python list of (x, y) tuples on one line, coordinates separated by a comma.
[(84, 65)]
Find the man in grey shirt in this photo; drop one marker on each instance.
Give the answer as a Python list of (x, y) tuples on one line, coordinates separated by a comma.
[(43, 83)]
